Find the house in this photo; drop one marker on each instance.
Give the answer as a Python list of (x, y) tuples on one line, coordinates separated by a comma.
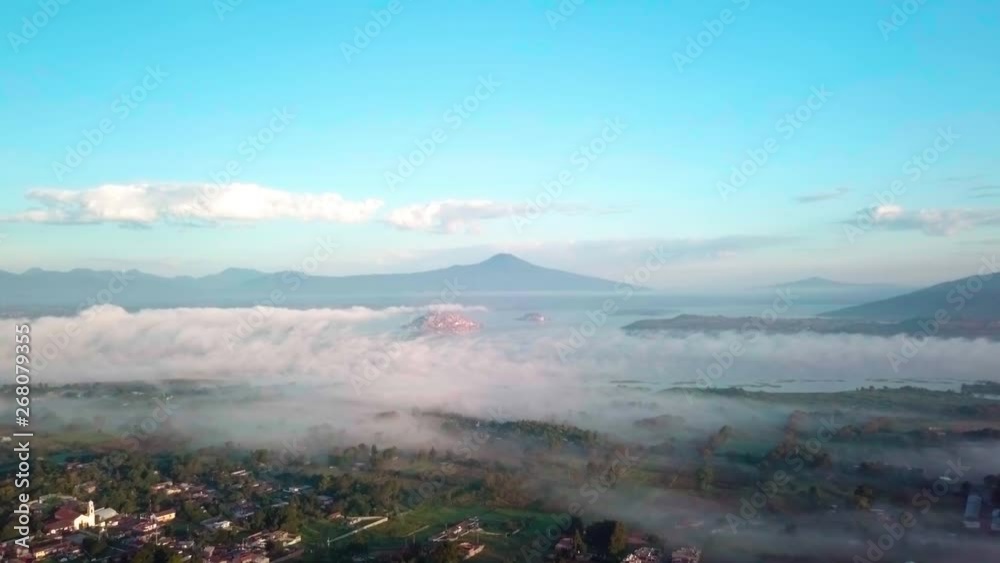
[(243, 512), (256, 540), (973, 505), (14, 551), (165, 515), (58, 527), (216, 525), (643, 555), (67, 517), (49, 549), (285, 539), (686, 555), (565, 545), (469, 550), (104, 515)]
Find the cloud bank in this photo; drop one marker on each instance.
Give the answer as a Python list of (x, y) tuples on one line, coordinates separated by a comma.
[(452, 216), (364, 355), (201, 204), (934, 222)]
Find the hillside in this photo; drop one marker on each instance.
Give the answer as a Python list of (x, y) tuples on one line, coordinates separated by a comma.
[(958, 299)]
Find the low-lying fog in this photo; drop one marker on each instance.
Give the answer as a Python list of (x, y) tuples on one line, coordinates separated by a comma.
[(285, 373), (361, 345), (320, 365)]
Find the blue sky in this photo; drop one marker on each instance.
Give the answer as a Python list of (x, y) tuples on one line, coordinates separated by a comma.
[(539, 80)]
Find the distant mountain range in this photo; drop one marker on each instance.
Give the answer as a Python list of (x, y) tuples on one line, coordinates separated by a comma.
[(834, 293), (47, 292), (234, 286), (974, 298), (825, 284), (913, 327)]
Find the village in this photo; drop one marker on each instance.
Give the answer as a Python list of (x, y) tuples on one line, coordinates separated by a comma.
[(313, 501), (72, 527)]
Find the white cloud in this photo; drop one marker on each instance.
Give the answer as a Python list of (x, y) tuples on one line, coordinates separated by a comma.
[(887, 212), (936, 222), (453, 216), (205, 204)]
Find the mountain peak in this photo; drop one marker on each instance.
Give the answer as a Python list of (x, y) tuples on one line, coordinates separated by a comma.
[(503, 258), (817, 280)]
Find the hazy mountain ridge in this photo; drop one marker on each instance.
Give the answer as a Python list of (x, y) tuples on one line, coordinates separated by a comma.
[(500, 273), (821, 283), (912, 327), (958, 299)]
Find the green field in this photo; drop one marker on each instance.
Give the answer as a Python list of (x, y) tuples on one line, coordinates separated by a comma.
[(504, 531)]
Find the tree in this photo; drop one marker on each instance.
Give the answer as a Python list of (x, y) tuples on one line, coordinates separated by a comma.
[(607, 537), (703, 476), (156, 554), (93, 546), (579, 546), (863, 497), (259, 457), (445, 552), (814, 498)]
